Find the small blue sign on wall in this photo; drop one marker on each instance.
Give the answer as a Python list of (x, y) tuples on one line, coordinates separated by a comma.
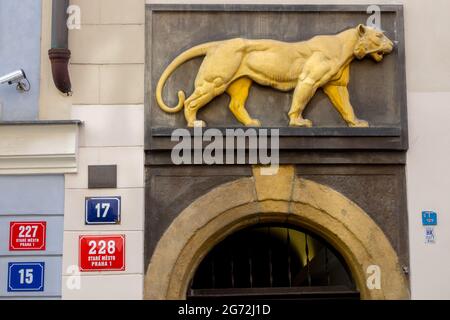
[(26, 276), (102, 210), (429, 218)]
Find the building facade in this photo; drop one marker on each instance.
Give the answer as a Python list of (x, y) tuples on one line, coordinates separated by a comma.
[(94, 165)]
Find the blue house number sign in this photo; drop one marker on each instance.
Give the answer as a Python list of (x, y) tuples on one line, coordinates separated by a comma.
[(26, 276), (102, 210)]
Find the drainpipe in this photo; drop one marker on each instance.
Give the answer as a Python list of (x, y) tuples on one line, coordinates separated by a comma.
[(59, 54)]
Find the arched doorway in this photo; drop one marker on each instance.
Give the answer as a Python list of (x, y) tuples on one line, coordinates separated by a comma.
[(273, 261), (281, 198)]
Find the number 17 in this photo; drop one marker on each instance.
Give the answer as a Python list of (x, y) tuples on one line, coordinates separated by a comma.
[(104, 206)]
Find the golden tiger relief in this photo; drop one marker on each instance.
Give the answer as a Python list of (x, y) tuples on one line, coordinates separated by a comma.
[(232, 65)]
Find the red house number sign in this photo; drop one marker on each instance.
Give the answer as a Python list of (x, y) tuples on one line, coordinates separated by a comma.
[(102, 253), (27, 235)]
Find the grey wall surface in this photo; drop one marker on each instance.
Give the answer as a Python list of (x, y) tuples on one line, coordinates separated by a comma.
[(33, 198), (20, 39)]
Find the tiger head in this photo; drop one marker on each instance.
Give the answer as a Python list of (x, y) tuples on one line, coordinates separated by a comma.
[(372, 42)]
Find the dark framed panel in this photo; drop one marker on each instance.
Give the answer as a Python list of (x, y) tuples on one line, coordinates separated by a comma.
[(378, 91)]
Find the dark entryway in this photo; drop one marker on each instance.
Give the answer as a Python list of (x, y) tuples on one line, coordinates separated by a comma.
[(273, 262)]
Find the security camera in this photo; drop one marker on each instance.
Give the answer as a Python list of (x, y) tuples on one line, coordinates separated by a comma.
[(18, 77)]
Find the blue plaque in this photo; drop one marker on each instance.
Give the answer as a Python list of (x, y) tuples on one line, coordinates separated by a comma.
[(26, 276), (429, 218), (102, 210)]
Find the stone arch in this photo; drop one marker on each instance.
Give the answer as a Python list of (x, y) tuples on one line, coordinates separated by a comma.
[(278, 198)]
